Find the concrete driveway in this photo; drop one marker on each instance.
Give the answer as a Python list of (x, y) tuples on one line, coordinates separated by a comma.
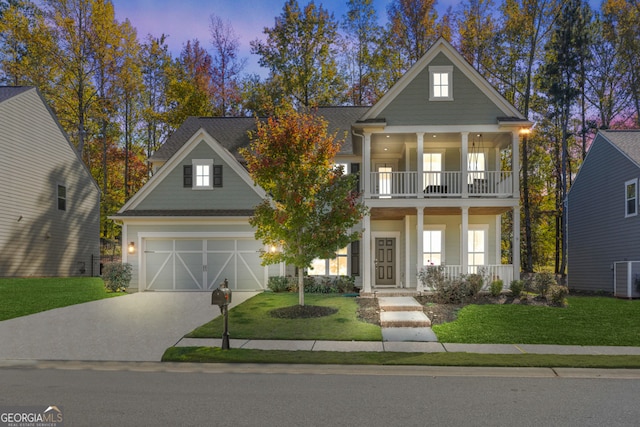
[(135, 327)]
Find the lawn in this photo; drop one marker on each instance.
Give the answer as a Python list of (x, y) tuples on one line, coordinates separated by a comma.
[(251, 320), (20, 297), (586, 321)]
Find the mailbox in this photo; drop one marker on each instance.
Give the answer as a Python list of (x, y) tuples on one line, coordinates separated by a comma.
[(222, 295)]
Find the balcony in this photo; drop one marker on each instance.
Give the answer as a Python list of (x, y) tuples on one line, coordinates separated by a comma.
[(487, 184)]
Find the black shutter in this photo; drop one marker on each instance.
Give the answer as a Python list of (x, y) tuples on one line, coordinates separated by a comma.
[(187, 176), (355, 258), (355, 170), (217, 175)]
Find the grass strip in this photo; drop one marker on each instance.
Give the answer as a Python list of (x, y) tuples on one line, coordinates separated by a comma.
[(20, 297), (217, 355)]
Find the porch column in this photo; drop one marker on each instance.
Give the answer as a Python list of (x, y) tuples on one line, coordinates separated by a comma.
[(464, 163), (420, 167), (515, 163), (515, 246), (366, 254), (366, 165), (464, 240), (498, 234), (419, 240)]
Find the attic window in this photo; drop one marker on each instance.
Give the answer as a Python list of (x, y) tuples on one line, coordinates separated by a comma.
[(202, 170), (440, 83)]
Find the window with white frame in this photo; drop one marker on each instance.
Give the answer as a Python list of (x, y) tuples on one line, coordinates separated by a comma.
[(202, 174), (477, 246), (631, 197), (330, 267), (62, 197), (433, 245), (441, 79), (385, 176), (432, 168), (476, 167)]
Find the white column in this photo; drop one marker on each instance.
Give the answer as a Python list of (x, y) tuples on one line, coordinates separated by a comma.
[(419, 239), (464, 162), (464, 240), (407, 253), (516, 243), (420, 167), (366, 165), (515, 163), (365, 250), (498, 251)]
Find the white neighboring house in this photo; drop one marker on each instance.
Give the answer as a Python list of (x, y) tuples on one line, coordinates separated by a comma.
[(438, 159), (49, 203)]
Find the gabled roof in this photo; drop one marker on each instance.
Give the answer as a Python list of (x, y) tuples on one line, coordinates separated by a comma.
[(627, 141), (232, 132), (7, 92), (444, 47)]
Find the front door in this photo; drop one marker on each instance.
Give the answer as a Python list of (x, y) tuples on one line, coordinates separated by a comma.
[(385, 261)]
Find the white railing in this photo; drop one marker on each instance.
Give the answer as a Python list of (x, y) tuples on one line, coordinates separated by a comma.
[(441, 184), (490, 273)]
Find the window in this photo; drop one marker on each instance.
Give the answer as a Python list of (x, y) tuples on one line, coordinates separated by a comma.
[(441, 79), (631, 198), (476, 167), (432, 165), (202, 174), (330, 267), (62, 197), (384, 181), (477, 247), (432, 243)]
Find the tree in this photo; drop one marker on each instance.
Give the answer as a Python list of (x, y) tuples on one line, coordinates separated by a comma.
[(226, 67), (477, 31), (301, 54), (311, 204), (412, 28)]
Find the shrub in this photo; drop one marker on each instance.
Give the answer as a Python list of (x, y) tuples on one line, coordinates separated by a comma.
[(279, 284), (517, 286), (452, 291), (558, 295), (542, 282), (432, 277), (496, 287), (116, 276), (474, 284)]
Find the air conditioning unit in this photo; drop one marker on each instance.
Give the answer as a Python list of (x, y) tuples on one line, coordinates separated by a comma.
[(626, 279)]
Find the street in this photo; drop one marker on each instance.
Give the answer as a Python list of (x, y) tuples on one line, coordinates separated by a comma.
[(145, 394)]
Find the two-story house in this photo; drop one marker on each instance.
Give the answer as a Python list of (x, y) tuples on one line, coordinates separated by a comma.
[(438, 163)]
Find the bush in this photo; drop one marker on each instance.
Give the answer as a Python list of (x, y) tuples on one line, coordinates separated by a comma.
[(558, 295), (432, 277), (542, 282), (279, 284), (313, 284), (116, 276), (474, 284), (496, 287), (517, 286)]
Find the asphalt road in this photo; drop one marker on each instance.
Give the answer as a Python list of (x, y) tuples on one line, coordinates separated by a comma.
[(145, 394)]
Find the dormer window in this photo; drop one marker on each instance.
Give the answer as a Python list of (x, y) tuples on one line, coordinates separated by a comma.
[(440, 81)]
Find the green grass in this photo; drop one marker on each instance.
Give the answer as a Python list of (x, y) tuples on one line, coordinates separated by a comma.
[(216, 355), (586, 321), (20, 297), (251, 320)]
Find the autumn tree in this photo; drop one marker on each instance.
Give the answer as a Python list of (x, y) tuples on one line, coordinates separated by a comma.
[(477, 30), (226, 67), (311, 205), (300, 53)]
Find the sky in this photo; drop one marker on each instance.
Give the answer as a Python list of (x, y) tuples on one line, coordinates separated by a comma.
[(184, 20)]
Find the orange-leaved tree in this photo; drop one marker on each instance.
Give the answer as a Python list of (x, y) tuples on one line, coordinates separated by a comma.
[(311, 205)]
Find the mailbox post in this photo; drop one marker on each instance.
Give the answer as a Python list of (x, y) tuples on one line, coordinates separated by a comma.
[(222, 298)]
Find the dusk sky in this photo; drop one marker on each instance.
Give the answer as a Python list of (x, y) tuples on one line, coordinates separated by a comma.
[(184, 20)]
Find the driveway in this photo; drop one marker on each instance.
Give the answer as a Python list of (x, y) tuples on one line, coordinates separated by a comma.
[(135, 327)]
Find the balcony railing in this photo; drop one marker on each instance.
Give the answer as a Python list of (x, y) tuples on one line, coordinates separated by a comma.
[(441, 184)]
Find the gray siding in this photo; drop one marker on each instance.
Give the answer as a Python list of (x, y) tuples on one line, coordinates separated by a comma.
[(171, 194), (37, 239), (469, 106), (598, 232)]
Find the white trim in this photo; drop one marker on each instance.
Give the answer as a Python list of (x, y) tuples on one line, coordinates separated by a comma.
[(443, 247), (175, 160), (194, 174), (442, 70), (627, 199), (385, 234)]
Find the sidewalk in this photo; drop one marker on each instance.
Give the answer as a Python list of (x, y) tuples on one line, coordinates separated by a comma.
[(405, 346)]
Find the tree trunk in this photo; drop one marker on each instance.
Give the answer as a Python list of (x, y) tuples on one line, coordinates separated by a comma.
[(300, 286)]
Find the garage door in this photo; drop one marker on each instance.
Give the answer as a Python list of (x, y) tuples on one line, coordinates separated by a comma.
[(202, 264)]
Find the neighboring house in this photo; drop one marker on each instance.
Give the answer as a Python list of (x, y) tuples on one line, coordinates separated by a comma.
[(603, 219), (435, 155), (49, 203)]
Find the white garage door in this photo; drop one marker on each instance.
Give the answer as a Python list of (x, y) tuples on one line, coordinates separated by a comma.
[(202, 264)]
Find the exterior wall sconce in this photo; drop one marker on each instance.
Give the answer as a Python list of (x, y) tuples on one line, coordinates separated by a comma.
[(132, 248)]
